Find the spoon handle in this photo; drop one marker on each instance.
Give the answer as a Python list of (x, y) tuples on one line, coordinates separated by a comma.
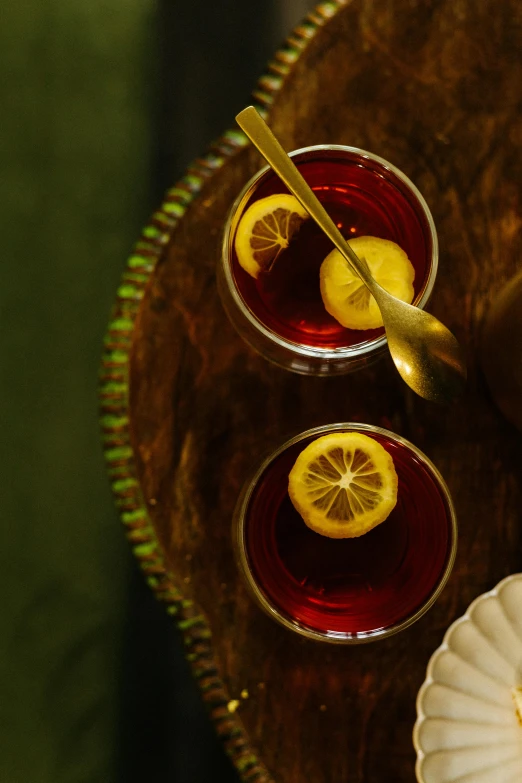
[(262, 137)]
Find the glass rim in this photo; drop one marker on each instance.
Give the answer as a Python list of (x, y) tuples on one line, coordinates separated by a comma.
[(318, 352), (338, 637)]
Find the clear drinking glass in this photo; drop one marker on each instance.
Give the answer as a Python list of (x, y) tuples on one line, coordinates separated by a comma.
[(346, 590), (281, 314)]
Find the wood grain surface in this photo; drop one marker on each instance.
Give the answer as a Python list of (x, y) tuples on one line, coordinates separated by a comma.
[(435, 87)]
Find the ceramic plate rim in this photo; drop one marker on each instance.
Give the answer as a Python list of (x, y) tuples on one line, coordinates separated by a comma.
[(429, 680)]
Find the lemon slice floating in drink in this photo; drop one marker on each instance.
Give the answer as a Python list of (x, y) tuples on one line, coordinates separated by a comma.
[(265, 229), (344, 294), (343, 484)]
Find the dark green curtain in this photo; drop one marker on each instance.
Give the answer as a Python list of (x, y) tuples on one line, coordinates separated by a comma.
[(103, 105)]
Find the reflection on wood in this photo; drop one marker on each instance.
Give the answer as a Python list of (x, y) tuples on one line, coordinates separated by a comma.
[(501, 349)]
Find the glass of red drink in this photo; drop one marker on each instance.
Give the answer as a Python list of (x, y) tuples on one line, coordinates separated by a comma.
[(281, 313), (349, 590)]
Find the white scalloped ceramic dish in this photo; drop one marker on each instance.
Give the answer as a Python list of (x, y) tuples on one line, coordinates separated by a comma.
[(467, 728)]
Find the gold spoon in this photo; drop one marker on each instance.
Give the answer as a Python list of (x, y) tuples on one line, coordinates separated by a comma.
[(426, 354)]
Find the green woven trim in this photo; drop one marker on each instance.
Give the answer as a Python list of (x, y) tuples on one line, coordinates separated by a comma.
[(114, 405)]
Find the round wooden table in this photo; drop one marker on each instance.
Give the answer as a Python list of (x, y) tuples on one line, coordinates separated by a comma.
[(188, 410)]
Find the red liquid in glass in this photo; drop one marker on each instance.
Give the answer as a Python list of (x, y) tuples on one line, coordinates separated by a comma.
[(364, 199), (349, 586)]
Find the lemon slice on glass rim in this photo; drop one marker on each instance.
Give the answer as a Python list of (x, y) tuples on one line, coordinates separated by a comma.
[(343, 484), (344, 294), (265, 229)]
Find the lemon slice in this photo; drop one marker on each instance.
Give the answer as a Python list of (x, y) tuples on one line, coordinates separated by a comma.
[(346, 297), (265, 230), (343, 484)]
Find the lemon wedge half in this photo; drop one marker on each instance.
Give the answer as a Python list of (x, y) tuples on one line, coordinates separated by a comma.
[(265, 229), (344, 294)]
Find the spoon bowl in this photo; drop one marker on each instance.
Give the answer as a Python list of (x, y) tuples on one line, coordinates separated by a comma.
[(427, 357)]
